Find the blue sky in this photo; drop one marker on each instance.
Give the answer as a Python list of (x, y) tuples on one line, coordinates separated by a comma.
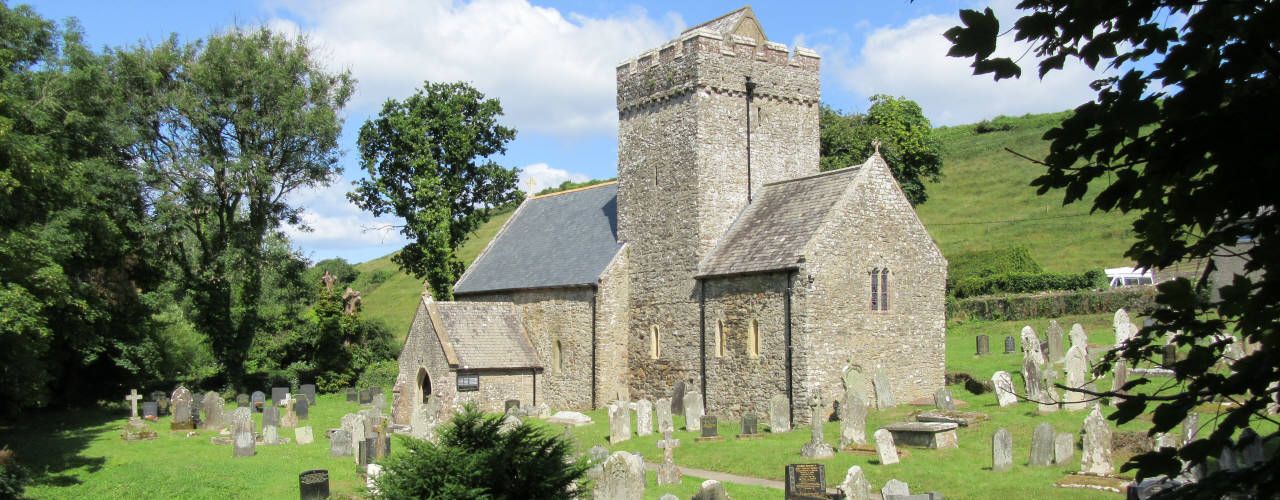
[(552, 66)]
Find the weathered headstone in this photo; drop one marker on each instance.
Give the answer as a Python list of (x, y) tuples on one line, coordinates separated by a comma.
[(242, 432), (1249, 449), (366, 397), (1170, 355), (213, 406), (894, 487), (1054, 341), (308, 390), (854, 380), (884, 391), (665, 424), (289, 419), (270, 435), (806, 482), (1031, 344), (379, 400), (710, 429), (1001, 450), (622, 478), (314, 484), (242, 401), (157, 395), (352, 395), (619, 422), (693, 411), (271, 416), (1042, 445), (358, 435), (278, 394), (855, 485), (151, 410), (302, 435), (750, 426), (340, 443), (779, 413), (423, 423), (1033, 379), (569, 418), (644, 418), (668, 473), (1005, 395), (1077, 365), (885, 450), (942, 399), (1010, 345), (1064, 448), (677, 398), (816, 448), (510, 405), (376, 390), (853, 421), (984, 345), (1119, 377), (1120, 322), (932, 435), (1227, 459), (181, 399), (1190, 427), (711, 490), (1077, 336), (1096, 455), (258, 400)]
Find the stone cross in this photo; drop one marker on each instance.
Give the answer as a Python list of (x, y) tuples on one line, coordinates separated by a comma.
[(668, 473), (133, 398), (816, 448)]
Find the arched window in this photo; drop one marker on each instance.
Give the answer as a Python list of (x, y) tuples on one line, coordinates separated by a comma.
[(654, 351), (720, 340), (875, 289), (753, 339), (880, 289), (557, 354), (884, 289), (424, 384)]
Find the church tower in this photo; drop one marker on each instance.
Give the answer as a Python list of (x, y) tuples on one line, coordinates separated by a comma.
[(704, 122)]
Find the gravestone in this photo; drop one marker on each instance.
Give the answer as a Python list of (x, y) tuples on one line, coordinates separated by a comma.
[(677, 398), (196, 403), (750, 426), (258, 401), (779, 414), (1170, 357), (1227, 459), (340, 443), (1001, 450), (932, 435), (711, 490), (644, 418), (692, 411), (668, 473), (942, 399), (509, 405), (242, 401), (1003, 383), (1096, 455), (366, 397), (302, 435), (157, 396), (1190, 427), (1120, 322), (151, 410), (352, 395), (853, 421), (569, 418), (302, 408), (622, 477), (806, 482), (1010, 345), (358, 435), (242, 432), (816, 448), (1031, 345), (710, 430), (1064, 448), (509, 423), (1077, 336), (289, 419), (895, 487), (1119, 377), (1033, 379), (423, 424), (1054, 341), (1042, 445), (619, 422), (1249, 449), (271, 416), (984, 345), (270, 435), (314, 484), (375, 390), (665, 425), (884, 392), (379, 400), (854, 380), (309, 390), (163, 404), (855, 485), (278, 394), (181, 401), (1077, 365), (213, 406), (885, 449)]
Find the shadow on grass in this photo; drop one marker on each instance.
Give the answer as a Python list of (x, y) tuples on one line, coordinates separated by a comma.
[(49, 443)]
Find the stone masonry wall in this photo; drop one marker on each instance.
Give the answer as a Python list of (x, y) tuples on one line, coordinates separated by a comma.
[(613, 322), (736, 381)]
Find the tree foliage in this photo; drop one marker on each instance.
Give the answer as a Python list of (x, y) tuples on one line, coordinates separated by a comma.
[(909, 146), (428, 163), (475, 459), (228, 128), (1190, 146)]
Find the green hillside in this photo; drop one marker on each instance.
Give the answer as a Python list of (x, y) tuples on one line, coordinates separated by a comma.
[(983, 201)]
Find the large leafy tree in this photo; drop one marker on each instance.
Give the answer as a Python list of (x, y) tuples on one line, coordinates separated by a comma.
[(73, 258), (909, 146), (229, 127), (428, 159), (1190, 145)]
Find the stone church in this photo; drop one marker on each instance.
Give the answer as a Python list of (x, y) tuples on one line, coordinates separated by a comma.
[(721, 257)]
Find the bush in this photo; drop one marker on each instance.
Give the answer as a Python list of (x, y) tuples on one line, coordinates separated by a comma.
[(380, 373), (997, 124), (984, 263), (13, 477), (1051, 305), (1028, 283), (475, 460)]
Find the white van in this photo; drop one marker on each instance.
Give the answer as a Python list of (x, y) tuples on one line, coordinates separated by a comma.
[(1129, 276)]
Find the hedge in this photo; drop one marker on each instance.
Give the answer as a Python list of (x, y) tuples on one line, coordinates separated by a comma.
[(986, 263), (1050, 305), (1027, 283)]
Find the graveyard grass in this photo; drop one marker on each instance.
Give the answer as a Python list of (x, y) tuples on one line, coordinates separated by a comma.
[(79, 454)]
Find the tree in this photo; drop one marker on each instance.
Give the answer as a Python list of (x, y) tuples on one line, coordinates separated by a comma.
[(428, 163), (477, 459), (228, 128), (73, 252), (1190, 146), (909, 147)]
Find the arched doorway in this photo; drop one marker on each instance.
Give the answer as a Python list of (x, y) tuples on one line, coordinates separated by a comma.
[(424, 384)]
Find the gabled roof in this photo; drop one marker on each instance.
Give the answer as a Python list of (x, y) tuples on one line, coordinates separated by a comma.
[(560, 239), (742, 21), (484, 335), (772, 231)]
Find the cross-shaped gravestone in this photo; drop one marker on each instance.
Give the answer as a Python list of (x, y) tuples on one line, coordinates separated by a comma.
[(668, 473), (133, 398)]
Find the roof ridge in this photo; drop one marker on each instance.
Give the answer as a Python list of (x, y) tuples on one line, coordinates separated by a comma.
[(574, 190), (730, 13), (840, 170)]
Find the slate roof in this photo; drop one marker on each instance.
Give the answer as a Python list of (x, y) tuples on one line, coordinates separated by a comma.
[(559, 239), (770, 233), (723, 24), (487, 335)]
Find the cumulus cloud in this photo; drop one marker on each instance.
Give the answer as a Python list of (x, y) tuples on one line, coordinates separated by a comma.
[(539, 176), (553, 72), (337, 224)]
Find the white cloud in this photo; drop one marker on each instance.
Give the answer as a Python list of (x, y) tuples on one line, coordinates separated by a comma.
[(911, 61), (554, 73), (543, 176), (339, 225)]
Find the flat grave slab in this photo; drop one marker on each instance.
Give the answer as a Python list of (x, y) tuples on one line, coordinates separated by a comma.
[(961, 418), (928, 401), (933, 435), (1092, 482)]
